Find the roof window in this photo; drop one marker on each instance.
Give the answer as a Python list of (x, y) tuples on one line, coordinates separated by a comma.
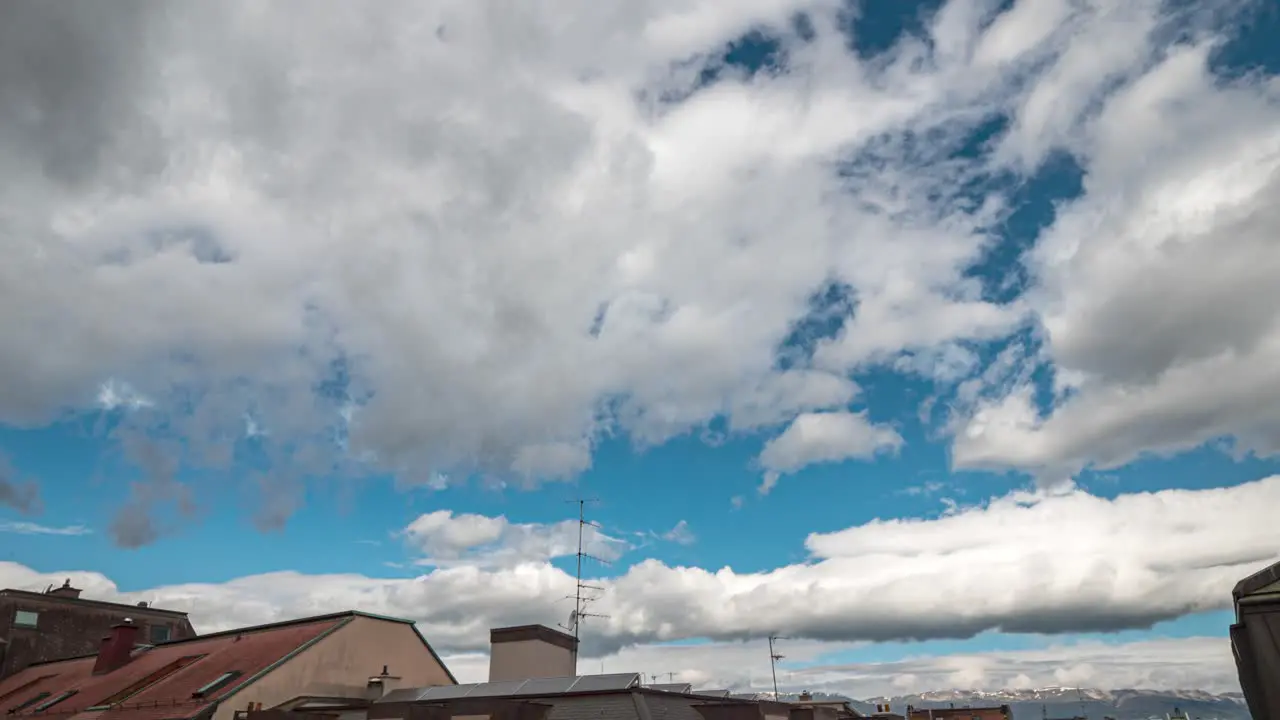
[(32, 701), (218, 683), (46, 705)]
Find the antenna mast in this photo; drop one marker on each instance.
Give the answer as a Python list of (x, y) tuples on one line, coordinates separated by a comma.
[(580, 599), (774, 657)]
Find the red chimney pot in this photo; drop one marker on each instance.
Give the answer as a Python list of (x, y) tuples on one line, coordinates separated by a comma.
[(117, 648)]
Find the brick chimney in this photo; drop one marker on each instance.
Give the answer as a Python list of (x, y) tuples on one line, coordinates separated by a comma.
[(117, 648), (66, 590)]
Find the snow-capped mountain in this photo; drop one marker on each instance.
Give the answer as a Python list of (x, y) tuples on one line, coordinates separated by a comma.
[(1067, 702), (1064, 702)]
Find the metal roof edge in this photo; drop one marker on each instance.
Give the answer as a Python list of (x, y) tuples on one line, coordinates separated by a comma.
[(376, 616), (1256, 581), (448, 673), (238, 631), (91, 601)]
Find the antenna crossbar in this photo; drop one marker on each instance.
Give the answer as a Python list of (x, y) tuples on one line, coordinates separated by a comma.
[(580, 599)]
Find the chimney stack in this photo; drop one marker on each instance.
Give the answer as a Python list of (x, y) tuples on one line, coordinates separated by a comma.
[(380, 684), (531, 651), (65, 591), (117, 648)]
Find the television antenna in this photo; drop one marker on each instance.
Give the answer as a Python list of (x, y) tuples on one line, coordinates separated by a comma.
[(580, 598), (774, 657)]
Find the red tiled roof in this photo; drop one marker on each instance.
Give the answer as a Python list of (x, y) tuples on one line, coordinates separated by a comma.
[(249, 651)]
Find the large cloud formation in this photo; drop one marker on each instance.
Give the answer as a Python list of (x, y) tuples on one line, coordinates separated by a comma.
[(1200, 662), (465, 237), (1048, 562)]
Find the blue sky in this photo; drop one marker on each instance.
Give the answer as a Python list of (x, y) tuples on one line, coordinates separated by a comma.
[(915, 327)]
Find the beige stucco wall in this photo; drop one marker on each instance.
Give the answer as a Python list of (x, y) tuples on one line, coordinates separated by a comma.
[(524, 659), (342, 663)]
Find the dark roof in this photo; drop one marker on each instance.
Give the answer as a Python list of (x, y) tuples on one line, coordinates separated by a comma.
[(1257, 581), (251, 651), (533, 687), (533, 632), (633, 703), (92, 603)]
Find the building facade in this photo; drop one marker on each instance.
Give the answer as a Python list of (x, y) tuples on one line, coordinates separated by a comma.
[(59, 623)]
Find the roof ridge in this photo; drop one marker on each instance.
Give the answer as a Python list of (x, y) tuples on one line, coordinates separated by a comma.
[(91, 601), (247, 630)]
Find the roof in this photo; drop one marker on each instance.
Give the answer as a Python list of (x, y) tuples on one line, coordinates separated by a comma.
[(164, 687), (618, 696), (1257, 582), (50, 597), (534, 687)]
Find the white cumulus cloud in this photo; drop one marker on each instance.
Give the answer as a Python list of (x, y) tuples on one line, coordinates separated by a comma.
[(458, 239), (444, 538), (1065, 562), (824, 437)]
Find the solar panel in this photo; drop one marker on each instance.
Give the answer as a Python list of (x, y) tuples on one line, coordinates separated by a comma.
[(682, 688), (446, 692), (712, 693), (504, 688), (513, 688), (548, 686), (612, 681)]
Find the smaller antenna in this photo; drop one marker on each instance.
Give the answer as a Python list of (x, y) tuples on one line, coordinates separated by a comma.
[(774, 657)]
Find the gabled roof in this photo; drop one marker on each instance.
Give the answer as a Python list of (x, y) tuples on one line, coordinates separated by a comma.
[(160, 681)]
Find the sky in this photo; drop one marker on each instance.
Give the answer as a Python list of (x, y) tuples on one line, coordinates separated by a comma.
[(939, 340)]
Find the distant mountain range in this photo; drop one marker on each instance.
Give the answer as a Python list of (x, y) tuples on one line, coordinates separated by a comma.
[(1059, 702)]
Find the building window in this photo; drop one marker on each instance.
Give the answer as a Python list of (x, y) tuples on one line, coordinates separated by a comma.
[(26, 618), (218, 683), (46, 705), (159, 634)]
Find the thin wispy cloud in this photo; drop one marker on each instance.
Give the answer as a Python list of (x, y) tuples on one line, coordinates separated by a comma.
[(21, 527)]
